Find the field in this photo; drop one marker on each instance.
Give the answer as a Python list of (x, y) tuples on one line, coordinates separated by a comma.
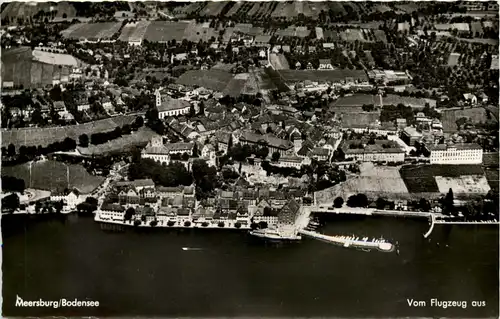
[(120, 145), (374, 181), (25, 9), (357, 120), (45, 136), (134, 31), (196, 32), (279, 61), (356, 100), (102, 30), (53, 176), (449, 117), (292, 76), (162, 31), (493, 179), (471, 184), (422, 179), (210, 79)]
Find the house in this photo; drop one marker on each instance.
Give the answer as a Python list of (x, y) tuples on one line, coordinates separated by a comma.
[(180, 148), (59, 106), (325, 64), (320, 153), (471, 98), (168, 192), (71, 199), (223, 140), (328, 46), (292, 161)]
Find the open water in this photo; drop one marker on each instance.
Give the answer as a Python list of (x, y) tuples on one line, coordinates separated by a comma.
[(146, 273)]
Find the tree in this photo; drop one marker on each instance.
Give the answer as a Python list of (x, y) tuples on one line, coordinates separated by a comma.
[(338, 202), (424, 205), (11, 150), (129, 213), (380, 203), (276, 156), (358, 200), (10, 203), (448, 202), (83, 140)]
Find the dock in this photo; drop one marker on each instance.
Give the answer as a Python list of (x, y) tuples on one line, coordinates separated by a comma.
[(349, 242)]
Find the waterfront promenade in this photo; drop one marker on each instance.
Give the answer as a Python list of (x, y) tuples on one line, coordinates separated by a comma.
[(180, 223)]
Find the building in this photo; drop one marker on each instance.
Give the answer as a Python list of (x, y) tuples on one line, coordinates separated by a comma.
[(180, 148), (325, 64), (273, 143), (157, 151), (467, 153), (293, 161), (70, 200), (380, 151), (410, 135), (168, 106), (288, 213)]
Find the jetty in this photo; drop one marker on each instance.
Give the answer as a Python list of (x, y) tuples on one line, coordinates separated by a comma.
[(350, 241)]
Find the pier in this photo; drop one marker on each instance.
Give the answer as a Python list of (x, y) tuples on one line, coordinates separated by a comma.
[(348, 242)]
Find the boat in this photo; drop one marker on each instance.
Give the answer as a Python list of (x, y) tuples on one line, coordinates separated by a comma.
[(189, 248), (274, 234)]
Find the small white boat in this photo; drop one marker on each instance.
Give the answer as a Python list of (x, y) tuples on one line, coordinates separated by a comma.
[(190, 248)]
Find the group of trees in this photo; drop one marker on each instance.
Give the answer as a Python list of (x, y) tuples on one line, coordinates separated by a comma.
[(358, 200), (13, 184), (241, 152), (174, 174), (205, 178), (26, 153)]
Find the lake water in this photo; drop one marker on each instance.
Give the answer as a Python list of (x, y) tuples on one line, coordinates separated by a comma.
[(147, 273)]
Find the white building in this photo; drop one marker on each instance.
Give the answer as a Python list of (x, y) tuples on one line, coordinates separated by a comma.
[(70, 200), (467, 153), (156, 150), (293, 161), (168, 106)]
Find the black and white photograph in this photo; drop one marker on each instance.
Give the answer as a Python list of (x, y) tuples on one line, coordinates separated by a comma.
[(250, 159)]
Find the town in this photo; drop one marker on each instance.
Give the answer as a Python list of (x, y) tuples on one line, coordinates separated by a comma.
[(250, 115)]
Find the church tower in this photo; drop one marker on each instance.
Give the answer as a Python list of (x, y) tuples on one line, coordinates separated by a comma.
[(158, 98)]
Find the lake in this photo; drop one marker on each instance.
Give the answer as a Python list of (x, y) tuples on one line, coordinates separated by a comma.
[(147, 273)]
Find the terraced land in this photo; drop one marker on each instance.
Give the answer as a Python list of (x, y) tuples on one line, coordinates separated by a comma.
[(449, 117), (163, 31), (422, 179), (120, 145), (46, 136), (292, 76), (101, 30)]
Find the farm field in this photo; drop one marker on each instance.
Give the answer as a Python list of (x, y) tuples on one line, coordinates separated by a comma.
[(292, 76), (134, 31), (101, 30), (54, 176), (120, 145), (46, 136), (356, 120), (210, 79), (356, 100), (422, 179), (470, 184), (372, 186), (449, 117), (162, 31), (493, 179), (196, 32)]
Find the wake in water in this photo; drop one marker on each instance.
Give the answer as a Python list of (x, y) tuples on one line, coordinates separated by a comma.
[(191, 248)]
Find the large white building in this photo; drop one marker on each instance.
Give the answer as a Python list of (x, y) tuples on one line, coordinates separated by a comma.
[(168, 106), (467, 153), (157, 151)]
